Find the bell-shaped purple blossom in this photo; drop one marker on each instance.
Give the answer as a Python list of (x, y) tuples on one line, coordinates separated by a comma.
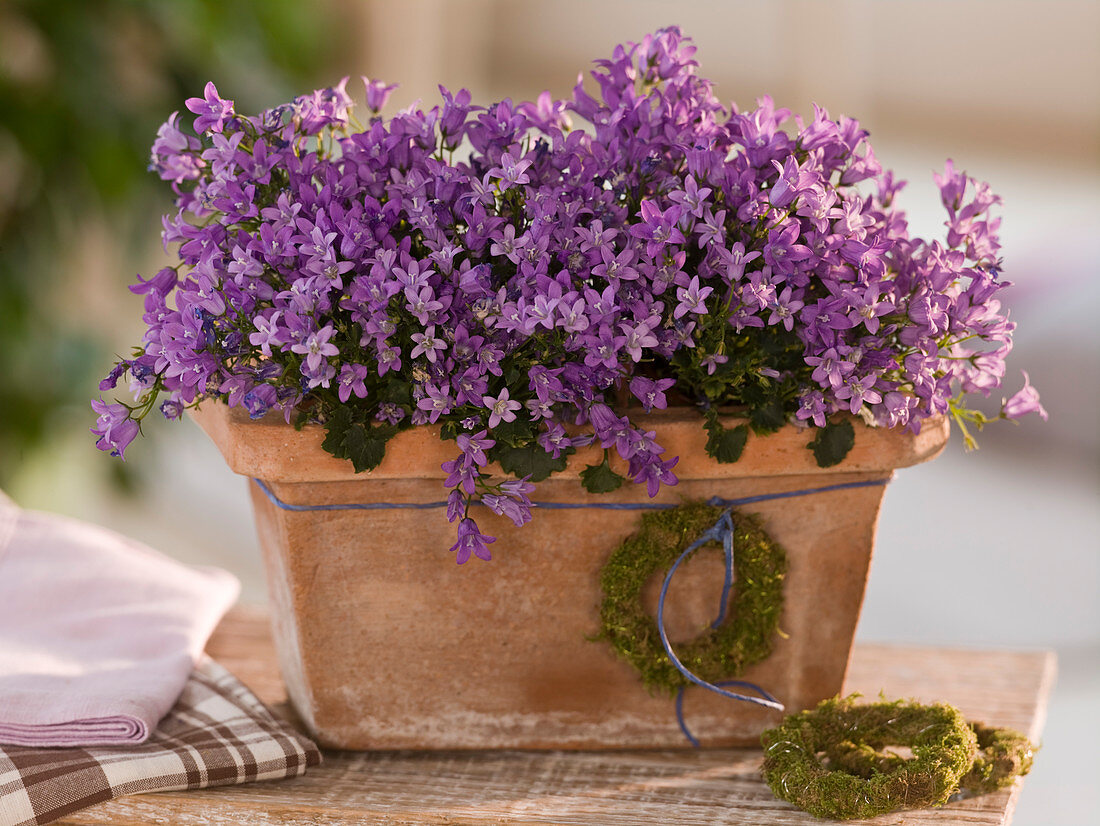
[(212, 111), (471, 541), (1024, 401), (114, 427)]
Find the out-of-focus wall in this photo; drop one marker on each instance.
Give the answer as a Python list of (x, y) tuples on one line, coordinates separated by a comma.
[(1009, 77)]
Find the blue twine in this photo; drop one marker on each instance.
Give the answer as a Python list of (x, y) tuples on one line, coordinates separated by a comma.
[(714, 501), (680, 704), (721, 531)]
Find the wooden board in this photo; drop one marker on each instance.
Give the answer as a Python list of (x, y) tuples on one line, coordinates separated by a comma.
[(667, 787)]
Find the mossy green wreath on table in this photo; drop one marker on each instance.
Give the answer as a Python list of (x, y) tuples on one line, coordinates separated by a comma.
[(832, 761), (743, 638), (1003, 755)]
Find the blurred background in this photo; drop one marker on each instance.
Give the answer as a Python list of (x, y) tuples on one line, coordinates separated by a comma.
[(997, 548)]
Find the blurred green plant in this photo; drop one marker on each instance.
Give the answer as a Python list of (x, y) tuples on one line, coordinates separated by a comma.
[(84, 84)]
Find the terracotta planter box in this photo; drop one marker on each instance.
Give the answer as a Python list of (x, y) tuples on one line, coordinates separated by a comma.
[(386, 643)]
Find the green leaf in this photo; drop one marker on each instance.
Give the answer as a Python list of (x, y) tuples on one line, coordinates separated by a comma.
[(366, 445), (529, 460), (601, 478), (768, 417), (832, 443), (515, 433), (335, 430), (397, 391), (726, 445)]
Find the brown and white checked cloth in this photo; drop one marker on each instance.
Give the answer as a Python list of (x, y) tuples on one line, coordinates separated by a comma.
[(217, 734)]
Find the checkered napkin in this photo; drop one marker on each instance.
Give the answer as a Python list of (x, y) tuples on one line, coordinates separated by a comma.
[(217, 734)]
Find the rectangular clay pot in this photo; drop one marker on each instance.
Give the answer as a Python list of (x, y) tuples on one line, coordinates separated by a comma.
[(386, 643)]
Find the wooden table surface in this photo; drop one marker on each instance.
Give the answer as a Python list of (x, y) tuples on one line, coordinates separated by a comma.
[(1003, 688)]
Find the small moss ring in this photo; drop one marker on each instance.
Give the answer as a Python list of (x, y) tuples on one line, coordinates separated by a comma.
[(743, 638), (1003, 755), (854, 779)]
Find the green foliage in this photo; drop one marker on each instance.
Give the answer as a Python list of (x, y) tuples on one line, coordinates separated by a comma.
[(753, 356), (347, 437), (335, 429), (601, 478), (83, 87), (516, 433), (832, 442), (397, 391), (767, 418), (530, 460), (756, 601), (365, 445), (724, 445)]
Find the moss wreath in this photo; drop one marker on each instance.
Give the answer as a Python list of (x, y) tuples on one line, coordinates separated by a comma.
[(1003, 755), (830, 761), (746, 635)]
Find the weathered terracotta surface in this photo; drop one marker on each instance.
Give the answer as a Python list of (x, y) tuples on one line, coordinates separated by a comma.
[(386, 643)]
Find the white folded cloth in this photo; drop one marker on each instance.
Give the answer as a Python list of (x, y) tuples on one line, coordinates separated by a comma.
[(98, 633)]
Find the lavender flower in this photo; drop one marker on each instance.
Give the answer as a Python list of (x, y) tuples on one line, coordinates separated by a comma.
[(1024, 401), (471, 541), (114, 427), (402, 268)]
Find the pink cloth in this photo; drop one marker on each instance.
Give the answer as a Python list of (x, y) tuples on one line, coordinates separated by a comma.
[(98, 633)]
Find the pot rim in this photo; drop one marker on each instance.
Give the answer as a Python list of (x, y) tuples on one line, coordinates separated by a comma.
[(270, 449)]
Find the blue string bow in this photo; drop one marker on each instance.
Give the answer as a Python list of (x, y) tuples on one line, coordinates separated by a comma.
[(721, 532)]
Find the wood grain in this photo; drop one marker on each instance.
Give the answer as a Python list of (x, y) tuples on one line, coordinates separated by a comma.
[(668, 787)]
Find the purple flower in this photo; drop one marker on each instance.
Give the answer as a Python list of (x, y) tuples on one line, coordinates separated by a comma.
[(259, 400), (712, 361), (427, 344), (112, 378), (651, 393), (500, 408), (856, 390), (114, 427), (658, 227), (692, 298), (159, 285), (436, 402), (456, 505), (316, 347), (655, 473), (474, 447), (267, 333), (1024, 401), (784, 308), (377, 94), (734, 260), (514, 509), (511, 172), (830, 367), (667, 241), (351, 381), (812, 406), (461, 473), (212, 111), (471, 541)]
